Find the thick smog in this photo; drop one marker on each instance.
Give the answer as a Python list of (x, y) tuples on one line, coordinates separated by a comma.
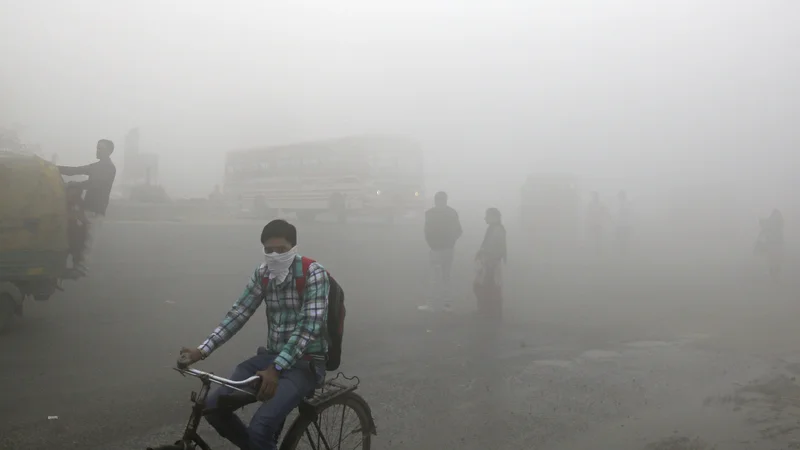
[(399, 225)]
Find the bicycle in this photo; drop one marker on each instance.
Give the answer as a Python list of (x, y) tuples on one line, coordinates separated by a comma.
[(332, 393)]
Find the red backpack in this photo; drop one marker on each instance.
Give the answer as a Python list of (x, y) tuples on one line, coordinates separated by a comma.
[(334, 328)]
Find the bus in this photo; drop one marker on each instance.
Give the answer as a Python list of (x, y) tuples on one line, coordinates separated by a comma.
[(372, 175)]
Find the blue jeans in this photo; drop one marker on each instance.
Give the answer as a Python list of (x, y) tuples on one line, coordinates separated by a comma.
[(266, 425)]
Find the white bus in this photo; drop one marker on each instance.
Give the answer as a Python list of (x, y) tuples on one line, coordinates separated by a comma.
[(358, 175)]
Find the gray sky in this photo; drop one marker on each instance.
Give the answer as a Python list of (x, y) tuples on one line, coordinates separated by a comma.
[(493, 89)]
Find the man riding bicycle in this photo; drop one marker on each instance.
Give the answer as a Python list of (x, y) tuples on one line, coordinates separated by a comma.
[(293, 362)]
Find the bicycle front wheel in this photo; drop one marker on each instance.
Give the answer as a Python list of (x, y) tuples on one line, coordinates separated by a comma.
[(343, 423)]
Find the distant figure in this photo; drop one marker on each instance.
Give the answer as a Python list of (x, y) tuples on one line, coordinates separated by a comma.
[(98, 189), (215, 199), (442, 230), (216, 194), (489, 277), (770, 242), (624, 226), (596, 216)]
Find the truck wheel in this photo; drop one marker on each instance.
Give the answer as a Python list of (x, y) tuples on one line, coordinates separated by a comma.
[(7, 309)]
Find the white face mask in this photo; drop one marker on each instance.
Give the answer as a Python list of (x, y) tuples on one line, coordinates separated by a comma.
[(279, 264)]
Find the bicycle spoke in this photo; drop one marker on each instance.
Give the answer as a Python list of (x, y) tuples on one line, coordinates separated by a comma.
[(341, 427), (325, 427), (318, 425), (311, 441), (322, 436)]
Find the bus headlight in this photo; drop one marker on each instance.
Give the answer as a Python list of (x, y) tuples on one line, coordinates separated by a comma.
[(378, 192), (416, 194)]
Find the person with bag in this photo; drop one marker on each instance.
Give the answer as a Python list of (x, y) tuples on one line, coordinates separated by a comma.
[(489, 274), (305, 317)]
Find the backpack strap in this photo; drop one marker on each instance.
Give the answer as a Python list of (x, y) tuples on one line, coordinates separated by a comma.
[(300, 281)]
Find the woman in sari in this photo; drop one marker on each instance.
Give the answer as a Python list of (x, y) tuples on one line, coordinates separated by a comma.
[(490, 260)]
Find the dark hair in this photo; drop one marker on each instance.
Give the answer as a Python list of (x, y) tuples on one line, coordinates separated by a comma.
[(440, 197), (493, 212), (279, 228), (108, 144)]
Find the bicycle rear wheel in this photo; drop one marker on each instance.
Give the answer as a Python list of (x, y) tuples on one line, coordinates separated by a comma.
[(331, 429)]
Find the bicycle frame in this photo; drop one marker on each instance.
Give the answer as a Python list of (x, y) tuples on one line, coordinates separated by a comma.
[(308, 408), (190, 435)]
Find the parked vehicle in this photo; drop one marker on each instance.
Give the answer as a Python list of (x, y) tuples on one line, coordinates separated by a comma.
[(379, 176), (33, 231)]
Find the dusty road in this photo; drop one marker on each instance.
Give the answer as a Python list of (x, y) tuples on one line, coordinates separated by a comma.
[(643, 354)]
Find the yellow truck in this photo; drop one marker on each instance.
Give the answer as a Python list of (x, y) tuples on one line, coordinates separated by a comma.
[(33, 231)]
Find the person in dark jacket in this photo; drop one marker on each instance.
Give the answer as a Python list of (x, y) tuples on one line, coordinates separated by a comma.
[(442, 230), (101, 175)]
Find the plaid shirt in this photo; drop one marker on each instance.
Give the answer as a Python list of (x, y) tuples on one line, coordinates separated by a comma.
[(295, 326)]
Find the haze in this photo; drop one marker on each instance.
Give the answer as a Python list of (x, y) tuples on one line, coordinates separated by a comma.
[(493, 90), (690, 106)]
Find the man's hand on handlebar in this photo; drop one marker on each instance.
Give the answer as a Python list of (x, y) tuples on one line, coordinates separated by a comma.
[(189, 356), (269, 383)]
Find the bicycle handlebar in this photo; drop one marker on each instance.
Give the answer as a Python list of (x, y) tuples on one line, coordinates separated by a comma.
[(235, 385)]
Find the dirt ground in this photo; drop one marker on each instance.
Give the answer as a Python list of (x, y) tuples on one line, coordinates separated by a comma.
[(659, 351)]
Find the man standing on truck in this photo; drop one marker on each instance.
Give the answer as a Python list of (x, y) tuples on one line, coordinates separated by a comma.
[(442, 230), (98, 189)]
